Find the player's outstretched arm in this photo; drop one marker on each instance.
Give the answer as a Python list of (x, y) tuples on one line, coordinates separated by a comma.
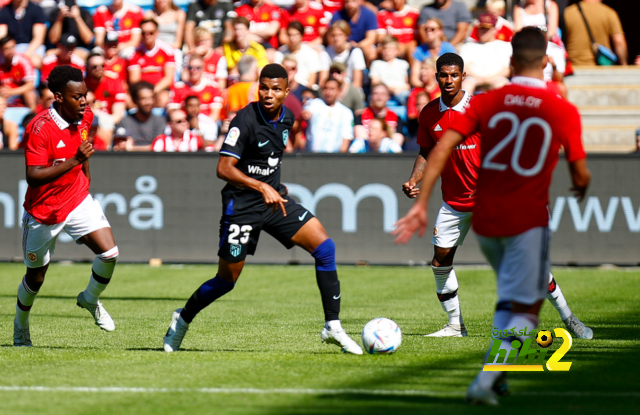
[(410, 188), (41, 175), (580, 178), (416, 218), (228, 172)]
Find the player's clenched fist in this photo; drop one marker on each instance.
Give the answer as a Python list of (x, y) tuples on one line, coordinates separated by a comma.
[(85, 151), (410, 190)]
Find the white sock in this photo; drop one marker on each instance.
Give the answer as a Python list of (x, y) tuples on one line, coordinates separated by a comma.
[(102, 270), (26, 297), (557, 299), (92, 292), (501, 319), (333, 325), (523, 321), (447, 283)]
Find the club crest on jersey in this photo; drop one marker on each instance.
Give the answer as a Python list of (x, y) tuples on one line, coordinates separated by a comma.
[(235, 250), (84, 134), (32, 256), (285, 136)]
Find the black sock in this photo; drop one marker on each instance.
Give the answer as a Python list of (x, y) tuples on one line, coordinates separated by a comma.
[(330, 292), (205, 295)]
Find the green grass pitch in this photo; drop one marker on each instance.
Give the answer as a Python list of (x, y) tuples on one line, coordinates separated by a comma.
[(258, 349)]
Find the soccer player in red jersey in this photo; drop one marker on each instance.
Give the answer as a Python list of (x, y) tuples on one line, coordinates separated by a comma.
[(265, 19), (121, 17), (57, 199), (314, 18), (17, 76), (210, 96), (522, 126), (401, 24)]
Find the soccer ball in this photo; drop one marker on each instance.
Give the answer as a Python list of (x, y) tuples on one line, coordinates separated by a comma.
[(544, 338), (381, 336)]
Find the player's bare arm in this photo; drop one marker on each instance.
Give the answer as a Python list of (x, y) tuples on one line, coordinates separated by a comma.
[(410, 188), (580, 178), (41, 175), (228, 172), (416, 219)]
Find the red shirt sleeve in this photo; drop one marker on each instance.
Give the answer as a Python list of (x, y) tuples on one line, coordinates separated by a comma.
[(468, 122), (98, 20), (424, 138), (571, 135), (36, 153)]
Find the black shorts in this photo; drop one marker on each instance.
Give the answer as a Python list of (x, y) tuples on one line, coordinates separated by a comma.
[(240, 231)]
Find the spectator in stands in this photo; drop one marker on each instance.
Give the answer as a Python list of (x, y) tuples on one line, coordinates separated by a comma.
[(350, 96), (123, 18), (307, 58), (435, 45), (556, 66), (487, 63), (142, 127), (290, 63), (363, 24), (295, 105), (64, 55), (313, 17), (180, 138), (241, 46), (25, 22), (455, 18), (536, 13), (171, 24), (209, 95), (72, 20), (110, 96), (101, 129), (215, 65), (201, 124), (45, 99), (8, 129), (213, 15), (391, 71), (153, 61), (605, 27), (378, 142), (429, 86), (637, 141), (266, 21), (17, 76), (399, 22), (330, 124), (413, 111), (340, 50), (240, 94), (114, 65), (378, 109), (503, 26)]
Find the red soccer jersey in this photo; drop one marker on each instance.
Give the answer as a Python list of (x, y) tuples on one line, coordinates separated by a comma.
[(51, 61), (151, 63), (391, 118), (400, 24), (50, 141), (190, 142), (210, 96), (262, 17), (460, 175), (116, 68), (108, 91), (504, 28), (18, 72), (313, 18), (333, 6), (522, 126), (125, 21), (412, 111)]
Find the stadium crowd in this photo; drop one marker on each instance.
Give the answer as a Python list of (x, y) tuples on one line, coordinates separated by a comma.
[(172, 78)]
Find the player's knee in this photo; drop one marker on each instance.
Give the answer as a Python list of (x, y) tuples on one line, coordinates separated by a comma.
[(109, 256), (104, 264), (325, 256)]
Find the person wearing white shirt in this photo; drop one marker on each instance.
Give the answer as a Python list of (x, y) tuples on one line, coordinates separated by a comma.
[(307, 58), (378, 142), (391, 71), (341, 51), (330, 124)]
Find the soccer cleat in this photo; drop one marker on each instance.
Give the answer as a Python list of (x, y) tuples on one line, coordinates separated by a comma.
[(21, 337), (340, 338), (100, 315), (450, 330), (479, 395), (177, 329), (577, 328)]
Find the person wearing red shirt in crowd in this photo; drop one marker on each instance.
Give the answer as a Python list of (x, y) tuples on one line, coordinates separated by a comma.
[(114, 66), (511, 216), (431, 87), (503, 26), (215, 65), (210, 96), (333, 6), (378, 109), (124, 19), (64, 57), (265, 19), (313, 17), (57, 159), (45, 100), (17, 76), (153, 62), (181, 139), (401, 24)]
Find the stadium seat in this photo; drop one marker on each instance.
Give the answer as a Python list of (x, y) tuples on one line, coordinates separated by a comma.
[(143, 4), (183, 4), (92, 5), (400, 110), (17, 114)]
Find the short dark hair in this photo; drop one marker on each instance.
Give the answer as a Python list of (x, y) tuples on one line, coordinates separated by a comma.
[(149, 20), (6, 40), (529, 46), (137, 87), (332, 79), (61, 75), (93, 55), (450, 59), (190, 97), (296, 25), (274, 71), (241, 20)]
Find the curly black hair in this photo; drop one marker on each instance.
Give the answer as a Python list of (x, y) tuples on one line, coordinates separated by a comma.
[(450, 59), (60, 76)]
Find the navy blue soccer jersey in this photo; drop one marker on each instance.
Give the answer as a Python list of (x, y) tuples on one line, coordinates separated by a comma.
[(259, 145)]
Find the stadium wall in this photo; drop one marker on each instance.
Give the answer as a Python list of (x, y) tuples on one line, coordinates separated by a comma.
[(168, 206)]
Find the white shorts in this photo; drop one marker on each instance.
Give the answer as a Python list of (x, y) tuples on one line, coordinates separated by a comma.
[(521, 263), (451, 227), (39, 240)]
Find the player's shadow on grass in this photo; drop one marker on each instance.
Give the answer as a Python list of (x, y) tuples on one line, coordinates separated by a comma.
[(75, 297)]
